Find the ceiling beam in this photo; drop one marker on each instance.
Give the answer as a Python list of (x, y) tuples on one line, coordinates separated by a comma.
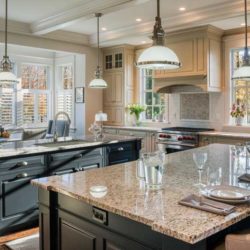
[(82, 12), (188, 19)]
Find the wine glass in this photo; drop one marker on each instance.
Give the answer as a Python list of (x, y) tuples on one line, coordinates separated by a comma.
[(200, 159)]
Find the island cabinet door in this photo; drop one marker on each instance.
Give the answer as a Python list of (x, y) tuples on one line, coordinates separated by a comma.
[(18, 199), (78, 234)]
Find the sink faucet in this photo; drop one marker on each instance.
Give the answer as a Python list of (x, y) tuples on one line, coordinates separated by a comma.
[(55, 134)]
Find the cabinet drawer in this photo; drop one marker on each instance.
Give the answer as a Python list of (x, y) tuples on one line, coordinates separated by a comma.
[(120, 148), (18, 196), (61, 157), (22, 163), (110, 131), (132, 133)]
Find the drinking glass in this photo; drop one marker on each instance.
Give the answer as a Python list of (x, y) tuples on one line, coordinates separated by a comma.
[(153, 169), (239, 148), (200, 159), (248, 153)]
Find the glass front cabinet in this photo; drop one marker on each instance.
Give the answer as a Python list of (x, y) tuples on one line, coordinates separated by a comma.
[(113, 60)]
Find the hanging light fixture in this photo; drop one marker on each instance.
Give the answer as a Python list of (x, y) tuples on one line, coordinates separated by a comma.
[(98, 82), (6, 76), (158, 56), (243, 72)]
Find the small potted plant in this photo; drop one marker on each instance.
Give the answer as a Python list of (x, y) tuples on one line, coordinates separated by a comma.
[(238, 112), (136, 110)]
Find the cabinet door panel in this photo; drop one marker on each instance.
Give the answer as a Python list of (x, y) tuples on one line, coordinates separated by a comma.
[(18, 196), (74, 238), (117, 90), (108, 91)]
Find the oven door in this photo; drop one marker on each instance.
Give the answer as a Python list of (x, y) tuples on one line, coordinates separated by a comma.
[(172, 148)]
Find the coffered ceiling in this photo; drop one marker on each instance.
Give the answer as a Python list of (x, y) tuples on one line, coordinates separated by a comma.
[(73, 20)]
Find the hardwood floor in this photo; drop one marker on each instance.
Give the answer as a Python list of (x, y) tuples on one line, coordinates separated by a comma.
[(17, 235)]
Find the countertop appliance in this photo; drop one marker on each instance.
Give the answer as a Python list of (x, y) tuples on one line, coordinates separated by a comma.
[(176, 139)]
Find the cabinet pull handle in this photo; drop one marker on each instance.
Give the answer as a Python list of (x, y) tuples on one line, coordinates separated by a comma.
[(121, 149), (19, 164), (22, 175), (22, 164), (78, 156)]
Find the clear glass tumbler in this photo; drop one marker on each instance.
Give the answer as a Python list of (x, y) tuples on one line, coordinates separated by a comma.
[(153, 169)]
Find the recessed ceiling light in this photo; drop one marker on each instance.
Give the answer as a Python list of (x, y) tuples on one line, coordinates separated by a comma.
[(182, 9), (242, 24), (104, 29), (138, 19)]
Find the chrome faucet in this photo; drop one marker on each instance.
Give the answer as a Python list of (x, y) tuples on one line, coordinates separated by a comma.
[(55, 134)]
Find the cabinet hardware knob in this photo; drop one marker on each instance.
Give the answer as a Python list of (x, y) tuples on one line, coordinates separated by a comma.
[(121, 149), (22, 175)]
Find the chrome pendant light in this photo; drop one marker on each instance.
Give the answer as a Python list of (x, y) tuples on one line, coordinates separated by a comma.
[(98, 82), (243, 72), (158, 56), (6, 76)]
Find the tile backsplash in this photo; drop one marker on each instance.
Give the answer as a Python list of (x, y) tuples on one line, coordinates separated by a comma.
[(194, 106)]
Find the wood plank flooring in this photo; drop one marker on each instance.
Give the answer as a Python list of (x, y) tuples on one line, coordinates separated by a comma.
[(17, 235)]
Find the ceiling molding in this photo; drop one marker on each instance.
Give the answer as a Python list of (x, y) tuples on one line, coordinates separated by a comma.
[(185, 20), (82, 12), (67, 36)]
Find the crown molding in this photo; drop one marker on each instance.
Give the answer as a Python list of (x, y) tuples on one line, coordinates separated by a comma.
[(189, 19), (82, 12)]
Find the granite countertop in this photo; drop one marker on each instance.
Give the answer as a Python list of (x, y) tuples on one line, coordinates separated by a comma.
[(226, 134), (139, 128), (128, 197), (30, 147)]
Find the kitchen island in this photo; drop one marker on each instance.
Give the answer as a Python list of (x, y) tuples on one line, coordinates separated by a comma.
[(128, 216), (22, 161)]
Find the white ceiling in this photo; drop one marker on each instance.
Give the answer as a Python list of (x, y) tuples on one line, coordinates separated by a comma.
[(77, 16)]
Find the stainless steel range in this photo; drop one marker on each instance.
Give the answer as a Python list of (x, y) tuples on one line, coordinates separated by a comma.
[(175, 139)]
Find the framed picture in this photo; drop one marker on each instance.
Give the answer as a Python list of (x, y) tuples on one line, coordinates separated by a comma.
[(79, 95)]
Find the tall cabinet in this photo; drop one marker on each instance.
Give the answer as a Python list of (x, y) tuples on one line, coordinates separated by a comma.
[(118, 73)]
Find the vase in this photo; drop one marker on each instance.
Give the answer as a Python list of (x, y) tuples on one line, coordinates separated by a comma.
[(238, 121), (136, 120)]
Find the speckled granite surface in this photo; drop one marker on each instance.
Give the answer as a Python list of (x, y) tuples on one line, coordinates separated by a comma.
[(8, 149), (139, 128), (128, 197), (226, 134)]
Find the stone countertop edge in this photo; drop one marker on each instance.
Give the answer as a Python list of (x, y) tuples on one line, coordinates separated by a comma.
[(149, 129), (26, 148), (226, 134)]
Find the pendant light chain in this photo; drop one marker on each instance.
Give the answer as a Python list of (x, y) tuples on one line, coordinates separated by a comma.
[(98, 41), (6, 27), (246, 60)]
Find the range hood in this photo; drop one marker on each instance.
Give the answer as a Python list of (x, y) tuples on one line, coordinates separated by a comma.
[(199, 50), (181, 84)]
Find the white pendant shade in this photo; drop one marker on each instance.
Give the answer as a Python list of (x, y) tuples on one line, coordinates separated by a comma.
[(158, 57), (7, 77), (242, 73), (98, 83)]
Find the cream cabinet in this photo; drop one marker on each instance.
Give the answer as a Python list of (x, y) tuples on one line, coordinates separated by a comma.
[(119, 75), (207, 139), (148, 137), (199, 51)]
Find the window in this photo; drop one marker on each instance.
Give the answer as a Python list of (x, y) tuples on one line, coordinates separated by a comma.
[(35, 94), (7, 104), (240, 88), (64, 90), (156, 103)]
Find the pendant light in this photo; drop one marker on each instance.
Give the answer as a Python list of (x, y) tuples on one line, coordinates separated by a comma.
[(158, 56), (6, 76), (243, 72), (98, 82)]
